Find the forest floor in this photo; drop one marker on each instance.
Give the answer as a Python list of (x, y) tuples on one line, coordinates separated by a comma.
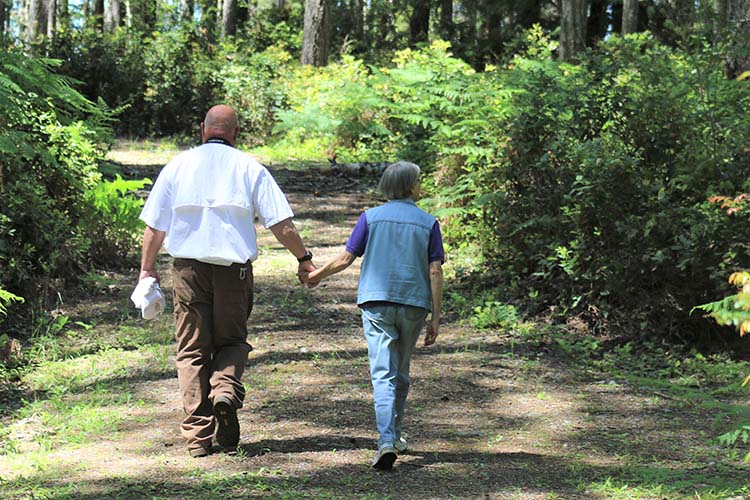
[(529, 411)]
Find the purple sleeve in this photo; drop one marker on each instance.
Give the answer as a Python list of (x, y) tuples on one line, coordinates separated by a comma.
[(435, 249), (357, 242)]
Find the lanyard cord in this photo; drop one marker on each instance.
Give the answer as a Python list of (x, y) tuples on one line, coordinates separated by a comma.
[(218, 140)]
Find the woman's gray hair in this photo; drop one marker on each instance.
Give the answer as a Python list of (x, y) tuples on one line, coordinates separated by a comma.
[(398, 180)]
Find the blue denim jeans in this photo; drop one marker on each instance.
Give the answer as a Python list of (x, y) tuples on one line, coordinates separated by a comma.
[(391, 332)]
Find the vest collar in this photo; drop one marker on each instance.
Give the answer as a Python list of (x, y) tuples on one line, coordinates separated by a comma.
[(403, 200)]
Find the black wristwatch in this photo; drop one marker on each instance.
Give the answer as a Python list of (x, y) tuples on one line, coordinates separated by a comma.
[(305, 258)]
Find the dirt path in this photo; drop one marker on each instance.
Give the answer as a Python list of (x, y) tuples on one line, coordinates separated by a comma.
[(493, 414)]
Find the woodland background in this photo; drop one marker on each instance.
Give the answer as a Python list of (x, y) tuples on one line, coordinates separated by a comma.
[(588, 158), (588, 161)]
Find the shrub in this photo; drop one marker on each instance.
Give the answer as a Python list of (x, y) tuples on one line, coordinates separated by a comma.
[(250, 85), (595, 192), (113, 210), (48, 161)]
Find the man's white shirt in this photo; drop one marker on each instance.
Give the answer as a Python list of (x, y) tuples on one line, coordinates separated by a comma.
[(206, 199)]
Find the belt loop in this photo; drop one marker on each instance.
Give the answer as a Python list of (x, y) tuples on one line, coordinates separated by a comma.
[(243, 273)]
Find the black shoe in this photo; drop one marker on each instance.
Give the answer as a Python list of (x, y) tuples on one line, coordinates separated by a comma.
[(228, 428)]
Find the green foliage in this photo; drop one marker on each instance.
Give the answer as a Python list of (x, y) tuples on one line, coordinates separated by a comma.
[(180, 71), (51, 139), (250, 85), (494, 314), (731, 438), (111, 67), (593, 188), (113, 215), (6, 298)]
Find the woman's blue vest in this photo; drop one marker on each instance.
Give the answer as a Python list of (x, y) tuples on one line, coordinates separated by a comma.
[(395, 266)]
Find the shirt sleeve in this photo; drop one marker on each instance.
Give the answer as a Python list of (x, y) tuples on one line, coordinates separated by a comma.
[(435, 248), (357, 242), (157, 211), (269, 201)]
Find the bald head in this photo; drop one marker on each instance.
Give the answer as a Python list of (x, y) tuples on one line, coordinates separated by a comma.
[(220, 121)]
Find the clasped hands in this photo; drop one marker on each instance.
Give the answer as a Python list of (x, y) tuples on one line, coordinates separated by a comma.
[(303, 274)]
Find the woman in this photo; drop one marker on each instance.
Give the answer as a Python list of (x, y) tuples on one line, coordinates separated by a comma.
[(401, 280)]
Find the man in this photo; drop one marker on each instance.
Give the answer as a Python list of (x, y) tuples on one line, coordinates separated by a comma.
[(202, 208)]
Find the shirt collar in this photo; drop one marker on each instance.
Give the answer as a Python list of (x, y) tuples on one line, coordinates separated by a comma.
[(218, 140)]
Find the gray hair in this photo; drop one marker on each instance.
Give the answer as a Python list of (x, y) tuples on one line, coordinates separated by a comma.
[(398, 180)]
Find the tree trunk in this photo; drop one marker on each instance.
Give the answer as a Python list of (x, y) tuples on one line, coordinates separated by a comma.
[(208, 19), (358, 14), (491, 32), (573, 17), (33, 15), (737, 28), (229, 19), (382, 13), (629, 16), (52, 11), (446, 19), (4, 15), (147, 16), (128, 14), (63, 14), (419, 23), (598, 22), (113, 17), (2, 23), (315, 36), (98, 14), (187, 10)]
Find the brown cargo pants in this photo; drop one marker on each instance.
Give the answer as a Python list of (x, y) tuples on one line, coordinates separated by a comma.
[(211, 307)]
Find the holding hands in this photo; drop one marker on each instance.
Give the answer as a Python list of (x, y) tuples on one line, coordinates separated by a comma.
[(303, 273)]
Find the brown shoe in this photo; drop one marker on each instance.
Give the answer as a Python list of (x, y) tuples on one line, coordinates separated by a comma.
[(227, 425), (198, 452)]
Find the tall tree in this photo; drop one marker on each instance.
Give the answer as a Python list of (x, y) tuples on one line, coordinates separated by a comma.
[(446, 19), (598, 23), (573, 17), (187, 10), (99, 15), (357, 8), (419, 22), (208, 19), (36, 21), (735, 14), (114, 16), (629, 16), (2, 19), (229, 18), (315, 37), (148, 9), (52, 8)]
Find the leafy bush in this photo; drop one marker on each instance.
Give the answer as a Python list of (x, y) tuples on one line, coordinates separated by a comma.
[(250, 85), (113, 215), (180, 82), (7, 298), (111, 67), (594, 192), (48, 161)]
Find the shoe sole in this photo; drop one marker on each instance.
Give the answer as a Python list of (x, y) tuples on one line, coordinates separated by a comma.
[(385, 462), (198, 452), (228, 432)]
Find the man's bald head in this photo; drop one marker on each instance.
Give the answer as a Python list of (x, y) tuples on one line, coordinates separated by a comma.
[(220, 121)]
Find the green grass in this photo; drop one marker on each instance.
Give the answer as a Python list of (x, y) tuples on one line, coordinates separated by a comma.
[(83, 372)]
